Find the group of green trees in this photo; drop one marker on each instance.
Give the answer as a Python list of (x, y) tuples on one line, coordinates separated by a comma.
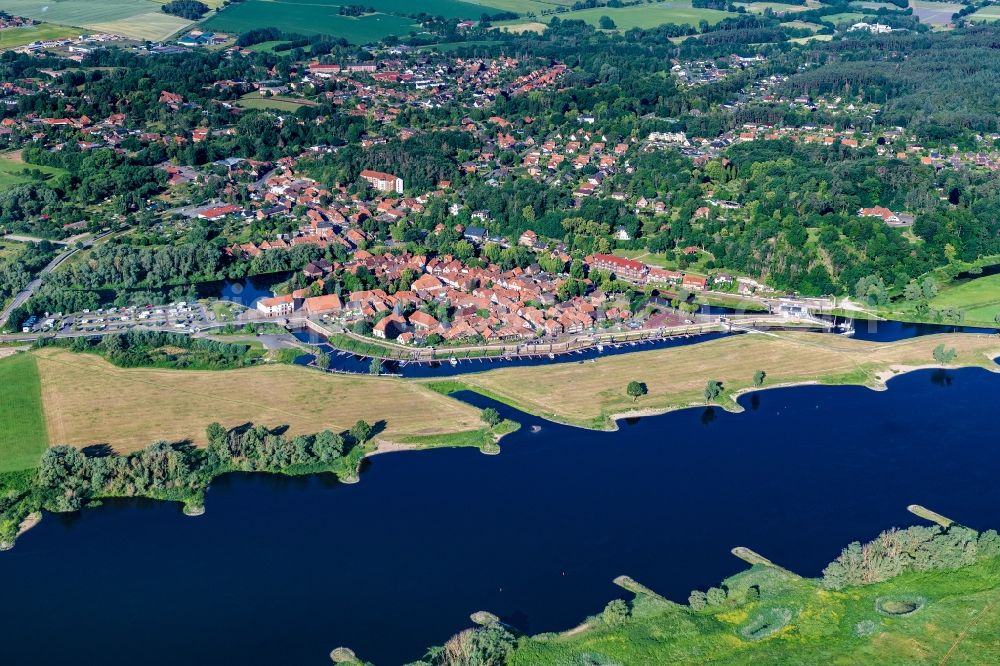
[(895, 552), (67, 477), (138, 348), (188, 9)]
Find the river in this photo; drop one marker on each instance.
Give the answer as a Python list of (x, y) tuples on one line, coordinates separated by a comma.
[(283, 570)]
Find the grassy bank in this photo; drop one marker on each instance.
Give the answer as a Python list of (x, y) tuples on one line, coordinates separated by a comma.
[(86, 400), (590, 394), (23, 436), (797, 622)]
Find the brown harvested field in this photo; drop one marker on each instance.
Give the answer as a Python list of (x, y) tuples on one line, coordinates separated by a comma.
[(589, 394), (89, 401)]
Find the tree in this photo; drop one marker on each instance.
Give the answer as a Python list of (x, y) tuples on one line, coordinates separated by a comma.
[(375, 368), (322, 360), (697, 600), (606, 23), (716, 596), (615, 613), (758, 378), (636, 390), (361, 431), (944, 355), (491, 417), (713, 389), (216, 434), (490, 645)]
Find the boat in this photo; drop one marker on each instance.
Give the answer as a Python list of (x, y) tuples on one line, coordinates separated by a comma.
[(846, 328), (453, 361), (552, 356), (600, 348)]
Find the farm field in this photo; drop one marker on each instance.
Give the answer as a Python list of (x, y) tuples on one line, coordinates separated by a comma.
[(677, 377), (986, 14), (802, 24), (308, 19), (22, 426), (139, 19), (934, 13), (979, 299), (844, 17), (11, 167), (776, 7), (519, 6), (646, 16), (312, 17), (12, 38), (87, 400)]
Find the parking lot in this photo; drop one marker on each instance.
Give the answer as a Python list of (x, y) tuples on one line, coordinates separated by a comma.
[(179, 317)]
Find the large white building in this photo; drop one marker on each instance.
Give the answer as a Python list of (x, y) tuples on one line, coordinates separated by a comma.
[(383, 182)]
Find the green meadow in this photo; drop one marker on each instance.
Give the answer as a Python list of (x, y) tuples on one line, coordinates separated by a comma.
[(11, 38), (979, 299), (645, 16), (23, 437), (795, 621), (12, 169), (320, 17)]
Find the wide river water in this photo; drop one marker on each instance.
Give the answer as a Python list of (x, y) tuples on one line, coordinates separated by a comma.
[(280, 571)]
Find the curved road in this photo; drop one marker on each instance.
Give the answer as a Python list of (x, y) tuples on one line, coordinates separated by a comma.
[(26, 293)]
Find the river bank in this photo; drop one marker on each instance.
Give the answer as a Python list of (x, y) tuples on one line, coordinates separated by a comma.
[(506, 533)]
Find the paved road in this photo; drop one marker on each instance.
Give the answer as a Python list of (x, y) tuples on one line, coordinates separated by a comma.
[(26, 293)]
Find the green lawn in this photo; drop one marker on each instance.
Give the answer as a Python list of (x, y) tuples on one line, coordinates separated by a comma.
[(979, 299), (23, 437), (255, 101), (12, 38), (645, 16), (11, 168)]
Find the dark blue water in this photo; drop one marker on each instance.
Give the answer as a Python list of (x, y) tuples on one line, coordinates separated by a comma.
[(245, 292), (280, 571), (890, 331), (348, 362)]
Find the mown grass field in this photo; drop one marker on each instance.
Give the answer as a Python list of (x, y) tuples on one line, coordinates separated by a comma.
[(89, 401), (958, 624), (587, 394), (22, 426), (979, 299), (285, 104), (11, 38), (11, 168), (138, 19)]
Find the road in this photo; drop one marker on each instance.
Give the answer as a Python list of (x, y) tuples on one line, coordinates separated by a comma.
[(26, 293)]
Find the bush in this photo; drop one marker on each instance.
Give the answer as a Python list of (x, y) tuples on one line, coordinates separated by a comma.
[(615, 613)]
